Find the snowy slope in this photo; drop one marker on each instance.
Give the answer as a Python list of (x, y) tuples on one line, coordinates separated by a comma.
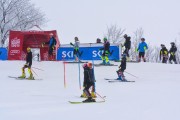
[(154, 96)]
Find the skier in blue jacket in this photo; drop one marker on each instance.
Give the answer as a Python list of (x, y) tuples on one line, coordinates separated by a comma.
[(52, 44), (142, 48)]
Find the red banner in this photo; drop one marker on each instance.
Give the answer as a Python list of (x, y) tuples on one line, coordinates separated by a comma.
[(15, 46)]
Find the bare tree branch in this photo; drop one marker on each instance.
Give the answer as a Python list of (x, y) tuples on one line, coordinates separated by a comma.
[(18, 15)]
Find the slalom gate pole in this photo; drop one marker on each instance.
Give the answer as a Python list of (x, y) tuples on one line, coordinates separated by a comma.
[(94, 76), (131, 74), (79, 75), (64, 74), (34, 72), (100, 96), (38, 69)]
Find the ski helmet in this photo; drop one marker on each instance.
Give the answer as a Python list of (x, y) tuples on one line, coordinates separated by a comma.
[(125, 35), (89, 64), (28, 49), (172, 43), (76, 39), (105, 39), (142, 39), (162, 45), (51, 34)]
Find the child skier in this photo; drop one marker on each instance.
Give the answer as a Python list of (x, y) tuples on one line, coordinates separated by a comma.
[(172, 52), (122, 67), (106, 52), (163, 54), (28, 65), (93, 95), (89, 82), (76, 52)]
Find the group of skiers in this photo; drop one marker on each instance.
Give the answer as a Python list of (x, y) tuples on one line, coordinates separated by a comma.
[(164, 53), (89, 77)]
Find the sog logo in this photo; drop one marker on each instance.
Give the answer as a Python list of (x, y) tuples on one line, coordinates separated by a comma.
[(15, 42)]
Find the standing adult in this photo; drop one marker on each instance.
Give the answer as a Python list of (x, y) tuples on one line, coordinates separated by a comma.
[(52, 44), (163, 54), (142, 48), (172, 52), (106, 52), (127, 45)]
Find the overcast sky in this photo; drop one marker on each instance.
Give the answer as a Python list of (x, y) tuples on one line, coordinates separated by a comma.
[(88, 19)]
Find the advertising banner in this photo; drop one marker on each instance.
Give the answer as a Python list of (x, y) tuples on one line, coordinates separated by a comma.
[(3, 54), (87, 53), (15, 46)]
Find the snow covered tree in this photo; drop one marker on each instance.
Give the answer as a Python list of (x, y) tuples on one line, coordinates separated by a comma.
[(114, 34), (136, 39), (18, 15)]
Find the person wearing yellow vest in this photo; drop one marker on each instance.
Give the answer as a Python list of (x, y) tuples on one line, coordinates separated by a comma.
[(163, 54)]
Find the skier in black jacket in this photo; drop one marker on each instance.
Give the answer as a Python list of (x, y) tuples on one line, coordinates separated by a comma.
[(28, 65), (163, 53), (122, 67), (172, 52), (89, 81), (127, 45), (106, 52)]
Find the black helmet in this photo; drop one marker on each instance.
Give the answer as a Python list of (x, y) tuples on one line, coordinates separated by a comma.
[(172, 43), (125, 35), (143, 39), (76, 39), (162, 45)]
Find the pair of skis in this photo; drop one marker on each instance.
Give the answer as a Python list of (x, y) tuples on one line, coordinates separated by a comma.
[(18, 78), (80, 102), (116, 80)]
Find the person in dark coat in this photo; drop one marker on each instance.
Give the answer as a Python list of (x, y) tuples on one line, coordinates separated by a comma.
[(106, 52), (89, 81), (127, 45), (122, 67), (163, 54), (172, 52), (28, 65)]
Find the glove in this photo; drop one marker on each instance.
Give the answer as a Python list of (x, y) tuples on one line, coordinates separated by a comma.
[(43, 44), (172, 53), (71, 44), (145, 48), (136, 49), (122, 45), (106, 52)]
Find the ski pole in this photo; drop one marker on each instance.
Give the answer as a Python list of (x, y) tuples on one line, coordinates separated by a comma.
[(34, 72), (131, 74), (37, 68), (100, 96), (79, 75)]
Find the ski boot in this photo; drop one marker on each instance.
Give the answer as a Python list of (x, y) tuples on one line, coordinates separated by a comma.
[(89, 99), (22, 76), (108, 63), (93, 95), (83, 95), (103, 63), (31, 77)]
